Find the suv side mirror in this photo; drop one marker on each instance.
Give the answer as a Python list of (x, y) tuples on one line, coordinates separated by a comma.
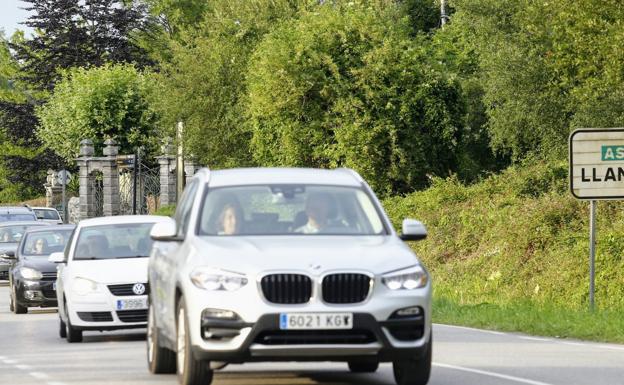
[(165, 231), (413, 230), (58, 257), (9, 255)]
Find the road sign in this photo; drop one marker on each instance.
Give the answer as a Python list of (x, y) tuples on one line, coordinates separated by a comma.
[(63, 177), (597, 163)]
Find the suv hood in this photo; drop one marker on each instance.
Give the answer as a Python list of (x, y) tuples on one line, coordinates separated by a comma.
[(316, 254), (127, 270)]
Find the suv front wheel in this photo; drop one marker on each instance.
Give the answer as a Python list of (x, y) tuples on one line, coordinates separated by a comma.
[(415, 371), (190, 370)]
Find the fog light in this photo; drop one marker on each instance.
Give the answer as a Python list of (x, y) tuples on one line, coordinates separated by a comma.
[(31, 294), (409, 312), (220, 314)]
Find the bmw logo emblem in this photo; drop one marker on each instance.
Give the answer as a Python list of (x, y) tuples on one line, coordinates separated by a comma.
[(138, 288)]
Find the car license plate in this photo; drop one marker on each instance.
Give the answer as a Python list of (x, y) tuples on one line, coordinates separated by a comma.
[(132, 304), (54, 285), (316, 321)]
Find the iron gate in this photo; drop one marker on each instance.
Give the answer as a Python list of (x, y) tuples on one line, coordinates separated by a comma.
[(139, 189)]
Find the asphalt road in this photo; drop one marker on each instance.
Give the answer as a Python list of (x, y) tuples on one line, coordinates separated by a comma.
[(32, 353)]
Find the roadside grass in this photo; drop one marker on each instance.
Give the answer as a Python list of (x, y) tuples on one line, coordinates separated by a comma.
[(538, 320), (511, 253)]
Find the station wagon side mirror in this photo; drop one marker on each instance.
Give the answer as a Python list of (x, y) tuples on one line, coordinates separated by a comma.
[(165, 231), (9, 255), (58, 257), (413, 230)]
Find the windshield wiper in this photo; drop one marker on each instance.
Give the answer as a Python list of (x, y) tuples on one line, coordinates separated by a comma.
[(133, 256)]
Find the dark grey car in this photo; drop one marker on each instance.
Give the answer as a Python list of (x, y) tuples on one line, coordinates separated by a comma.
[(10, 235)]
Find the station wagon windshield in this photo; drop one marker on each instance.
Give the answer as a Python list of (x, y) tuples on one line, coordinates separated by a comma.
[(129, 240), (289, 210)]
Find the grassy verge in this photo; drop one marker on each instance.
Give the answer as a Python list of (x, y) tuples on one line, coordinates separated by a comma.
[(533, 319), (510, 253)]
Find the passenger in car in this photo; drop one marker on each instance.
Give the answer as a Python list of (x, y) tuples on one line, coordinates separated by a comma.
[(230, 220)]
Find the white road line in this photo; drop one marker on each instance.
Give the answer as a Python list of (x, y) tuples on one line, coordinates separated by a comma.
[(23, 367), (491, 374), (39, 375), (536, 339), (588, 344), (9, 362), (474, 329), (55, 383)]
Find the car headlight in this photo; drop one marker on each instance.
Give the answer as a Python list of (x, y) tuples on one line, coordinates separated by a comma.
[(29, 273), (83, 286), (408, 279), (214, 279)]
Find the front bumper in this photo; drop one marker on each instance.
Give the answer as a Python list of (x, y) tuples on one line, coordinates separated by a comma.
[(4, 269), (368, 339), (98, 311), (36, 293)]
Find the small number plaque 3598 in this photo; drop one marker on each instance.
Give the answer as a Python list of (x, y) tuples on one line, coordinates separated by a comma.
[(316, 321)]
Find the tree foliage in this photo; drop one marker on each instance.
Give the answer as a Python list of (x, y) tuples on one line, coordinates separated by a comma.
[(74, 33), (349, 86), (107, 102)]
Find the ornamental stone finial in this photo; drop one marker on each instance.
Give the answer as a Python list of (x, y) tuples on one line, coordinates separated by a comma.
[(86, 147)]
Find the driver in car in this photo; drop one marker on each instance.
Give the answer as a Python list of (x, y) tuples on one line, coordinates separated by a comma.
[(317, 210)]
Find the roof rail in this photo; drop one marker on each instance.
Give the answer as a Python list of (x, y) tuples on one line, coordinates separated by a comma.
[(206, 171), (351, 172)]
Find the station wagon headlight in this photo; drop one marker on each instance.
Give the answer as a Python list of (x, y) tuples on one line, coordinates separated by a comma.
[(214, 279), (83, 286), (407, 279), (29, 273)]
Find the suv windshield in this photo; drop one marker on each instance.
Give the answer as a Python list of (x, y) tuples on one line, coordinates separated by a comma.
[(130, 240), (44, 243), (289, 210)]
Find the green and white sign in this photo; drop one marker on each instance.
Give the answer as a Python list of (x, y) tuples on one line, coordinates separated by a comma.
[(597, 163)]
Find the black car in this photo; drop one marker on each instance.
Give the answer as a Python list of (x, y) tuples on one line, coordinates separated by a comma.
[(32, 277), (10, 235)]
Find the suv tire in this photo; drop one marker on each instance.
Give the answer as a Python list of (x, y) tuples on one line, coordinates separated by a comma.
[(363, 366), (190, 370), (159, 360), (415, 371)]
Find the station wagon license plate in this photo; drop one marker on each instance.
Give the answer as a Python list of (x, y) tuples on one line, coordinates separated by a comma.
[(316, 321), (132, 304)]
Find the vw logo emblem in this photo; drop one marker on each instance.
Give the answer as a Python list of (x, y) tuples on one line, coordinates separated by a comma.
[(138, 288), (314, 266)]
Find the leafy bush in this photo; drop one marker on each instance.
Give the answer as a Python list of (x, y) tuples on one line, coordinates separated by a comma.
[(98, 103), (348, 85)]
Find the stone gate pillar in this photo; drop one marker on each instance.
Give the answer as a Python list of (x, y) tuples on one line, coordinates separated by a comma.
[(110, 174), (87, 196), (167, 164), (190, 168), (53, 190)]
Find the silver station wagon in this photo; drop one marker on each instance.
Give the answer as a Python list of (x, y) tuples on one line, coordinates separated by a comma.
[(286, 265)]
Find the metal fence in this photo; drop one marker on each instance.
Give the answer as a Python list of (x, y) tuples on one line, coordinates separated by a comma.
[(139, 189), (97, 187)]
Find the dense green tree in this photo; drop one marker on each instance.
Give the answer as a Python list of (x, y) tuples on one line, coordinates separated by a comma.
[(349, 85), (74, 33), (106, 102), (204, 82)]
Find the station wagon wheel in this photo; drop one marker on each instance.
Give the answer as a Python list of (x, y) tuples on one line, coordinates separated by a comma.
[(160, 360), (190, 370), (15, 306)]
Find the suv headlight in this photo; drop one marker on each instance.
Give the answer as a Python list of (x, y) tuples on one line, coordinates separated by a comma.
[(408, 279), (83, 286), (29, 273), (214, 279)]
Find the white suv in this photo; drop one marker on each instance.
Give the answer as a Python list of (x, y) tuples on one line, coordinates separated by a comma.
[(286, 265)]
